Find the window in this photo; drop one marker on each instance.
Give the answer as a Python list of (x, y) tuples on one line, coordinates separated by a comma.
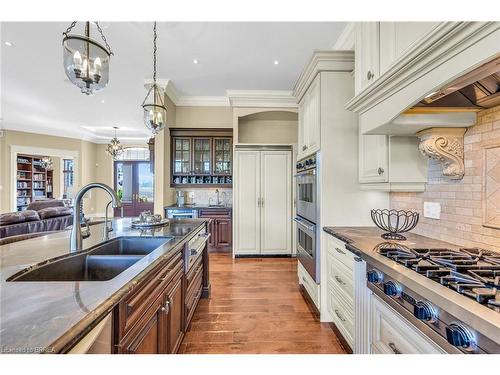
[(134, 153), (68, 176)]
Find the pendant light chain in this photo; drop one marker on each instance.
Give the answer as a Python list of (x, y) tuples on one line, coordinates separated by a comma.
[(70, 28), (103, 38), (155, 36)]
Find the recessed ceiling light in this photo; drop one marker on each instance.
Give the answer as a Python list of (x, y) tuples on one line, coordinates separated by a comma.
[(102, 101), (195, 61), (8, 44), (276, 62)]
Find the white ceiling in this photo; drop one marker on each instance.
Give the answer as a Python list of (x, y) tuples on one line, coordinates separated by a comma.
[(37, 97)]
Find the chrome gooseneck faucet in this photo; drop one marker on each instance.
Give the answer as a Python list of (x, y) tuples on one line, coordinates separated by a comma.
[(75, 243)]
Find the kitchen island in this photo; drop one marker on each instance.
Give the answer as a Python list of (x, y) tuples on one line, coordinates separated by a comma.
[(52, 316), (220, 227), (388, 269)]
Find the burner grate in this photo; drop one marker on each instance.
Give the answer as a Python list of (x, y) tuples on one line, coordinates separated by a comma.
[(472, 272)]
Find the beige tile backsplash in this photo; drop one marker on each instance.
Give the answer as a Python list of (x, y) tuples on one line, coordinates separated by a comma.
[(470, 208), (202, 196)]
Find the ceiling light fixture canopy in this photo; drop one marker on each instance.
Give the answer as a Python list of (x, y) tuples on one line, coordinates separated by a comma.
[(114, 146), (47, 163), (154, 110), (86, 61)]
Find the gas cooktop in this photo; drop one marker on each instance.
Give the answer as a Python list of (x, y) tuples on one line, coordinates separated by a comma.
[(472, 272)]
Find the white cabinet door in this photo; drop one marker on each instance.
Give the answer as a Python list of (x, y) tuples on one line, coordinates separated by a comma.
[(367, 55), (313, 124), (392, 334), (373, 158), (302, 141), (276, 198), (310, 120), (398, 37), (247, 210)]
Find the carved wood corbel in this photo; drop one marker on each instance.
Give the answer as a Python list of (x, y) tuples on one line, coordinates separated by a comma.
[(446, 145)]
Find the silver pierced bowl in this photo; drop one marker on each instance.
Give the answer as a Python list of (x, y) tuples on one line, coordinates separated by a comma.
[(394, 222)]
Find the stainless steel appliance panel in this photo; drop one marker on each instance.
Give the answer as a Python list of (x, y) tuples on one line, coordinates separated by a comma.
[(181, 213), (306, 247), (306, 195)]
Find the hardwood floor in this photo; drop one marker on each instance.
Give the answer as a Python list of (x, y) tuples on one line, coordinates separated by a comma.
[(256, 307)]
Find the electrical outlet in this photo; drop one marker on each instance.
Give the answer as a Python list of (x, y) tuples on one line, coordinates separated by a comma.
[(432, 210)]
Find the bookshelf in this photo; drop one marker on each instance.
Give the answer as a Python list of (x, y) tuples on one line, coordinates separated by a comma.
[(33, 182)]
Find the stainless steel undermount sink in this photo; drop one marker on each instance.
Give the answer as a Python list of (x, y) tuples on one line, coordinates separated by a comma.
[(100, 263), (130, 246)]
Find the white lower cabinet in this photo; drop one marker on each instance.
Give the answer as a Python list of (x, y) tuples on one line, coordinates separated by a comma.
[(263, 202), (309, 285), (340, 288), (392, 334)]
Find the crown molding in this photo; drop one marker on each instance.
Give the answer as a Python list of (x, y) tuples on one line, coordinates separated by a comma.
[(233, 98), (203, 101), (262, 98), (320, 61), (73, 133), (347, 38)]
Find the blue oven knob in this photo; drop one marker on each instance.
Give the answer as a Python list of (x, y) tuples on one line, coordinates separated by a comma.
[(392, 289), (425, 311), (375, 277), (460, 336)]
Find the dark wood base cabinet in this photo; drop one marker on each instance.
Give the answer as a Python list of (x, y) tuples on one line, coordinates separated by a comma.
[(153, 318), (220, 228)]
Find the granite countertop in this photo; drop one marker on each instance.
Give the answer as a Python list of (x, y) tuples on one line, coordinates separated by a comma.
[(47, 316), (364, 241)]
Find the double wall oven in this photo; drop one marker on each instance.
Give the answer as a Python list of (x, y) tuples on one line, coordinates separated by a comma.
[(307, 218)]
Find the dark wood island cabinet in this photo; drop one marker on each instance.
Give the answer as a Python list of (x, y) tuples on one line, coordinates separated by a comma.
[(154, 316), (220, 228)]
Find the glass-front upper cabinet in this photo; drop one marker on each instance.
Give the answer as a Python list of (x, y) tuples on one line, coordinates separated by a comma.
[(202, 148), (182, 156), (222, 155)]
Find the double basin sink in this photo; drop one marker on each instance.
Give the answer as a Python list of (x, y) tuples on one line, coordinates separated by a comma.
[(100, 263)]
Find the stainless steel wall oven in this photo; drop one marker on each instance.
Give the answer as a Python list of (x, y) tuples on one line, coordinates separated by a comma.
[(307, 215)]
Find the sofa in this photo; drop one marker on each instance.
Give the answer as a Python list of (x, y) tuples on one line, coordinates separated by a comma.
[(40, 216)]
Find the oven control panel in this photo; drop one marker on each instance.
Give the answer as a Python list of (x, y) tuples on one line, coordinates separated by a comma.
[(307, 163)]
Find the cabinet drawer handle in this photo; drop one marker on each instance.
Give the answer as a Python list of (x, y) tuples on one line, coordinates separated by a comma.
[(340, 251), (339, 315), (370, 75), (394, 349), (380, 170), (339, 280), (166, 308)]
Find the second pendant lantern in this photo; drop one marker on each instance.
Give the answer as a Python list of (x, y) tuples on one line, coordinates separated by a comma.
[(154, 110)]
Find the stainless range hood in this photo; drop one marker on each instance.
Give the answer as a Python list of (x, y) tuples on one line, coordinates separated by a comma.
[(478, 89)]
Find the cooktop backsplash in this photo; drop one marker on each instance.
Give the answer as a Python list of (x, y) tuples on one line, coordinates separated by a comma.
[(470, 208)]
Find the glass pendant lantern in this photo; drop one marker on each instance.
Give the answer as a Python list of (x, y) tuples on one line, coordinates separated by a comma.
[(86, 61), (154, 110), (114, 148)]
